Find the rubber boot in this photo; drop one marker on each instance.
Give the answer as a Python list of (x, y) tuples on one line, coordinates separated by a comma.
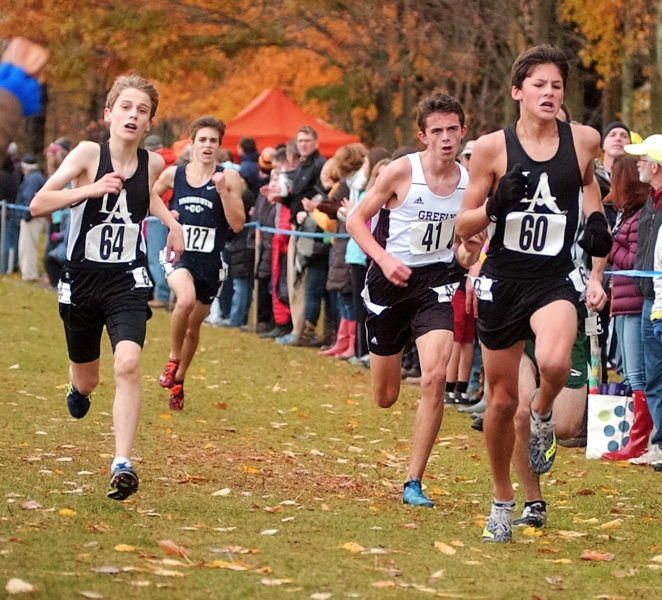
[(639, 434), (351, 333), (342, 339), (307, 338)]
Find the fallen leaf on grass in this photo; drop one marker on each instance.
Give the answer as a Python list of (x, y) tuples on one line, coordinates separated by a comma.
[(232, 566), (384, 584), (271, 581), (166, 572), (321, 596), (90, 595), (31, 505), (273, 509), (221, 405), (615, 524), (597, 555), (223, 492), (18, 586), (165, 416), (532, 531), (353, 547), (657, 559), (445, 548), (169, 547), (620, 574), (124, 548), (67, 512), (249, 469), (106, 569), (438, 574), (269, 532)]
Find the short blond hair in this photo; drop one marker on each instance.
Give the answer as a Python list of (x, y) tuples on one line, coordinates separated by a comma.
[(136, 82)]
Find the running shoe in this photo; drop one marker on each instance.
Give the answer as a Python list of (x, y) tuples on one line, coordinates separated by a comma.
[(413, 494), (167, 378), (542, 444), (533, 515), (177, 396), (652, 455), (499, 526), (123, 482), (78, 403)]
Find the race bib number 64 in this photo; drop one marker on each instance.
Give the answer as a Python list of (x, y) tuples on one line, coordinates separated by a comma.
[(112, 242)]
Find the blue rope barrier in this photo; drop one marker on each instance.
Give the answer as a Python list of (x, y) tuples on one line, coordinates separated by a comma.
[(635, 273), (15, 206)]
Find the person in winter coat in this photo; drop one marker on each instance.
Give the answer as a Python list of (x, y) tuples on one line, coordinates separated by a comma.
[(628, 195)]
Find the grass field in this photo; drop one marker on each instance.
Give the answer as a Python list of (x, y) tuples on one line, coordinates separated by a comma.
[(281, 479)]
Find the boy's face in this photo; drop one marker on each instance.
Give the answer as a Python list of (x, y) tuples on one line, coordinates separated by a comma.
[(443, 134), (542, 92), (204, 146), (129, 117)]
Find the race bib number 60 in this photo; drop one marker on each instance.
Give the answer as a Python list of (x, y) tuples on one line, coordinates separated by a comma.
[(534, 233), (112, 242)]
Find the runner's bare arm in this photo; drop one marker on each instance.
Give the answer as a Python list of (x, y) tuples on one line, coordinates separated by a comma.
[(468, 252), (377, 197), (78, 168), (175, 239), (165, 181), (483, 173), (229, 186)]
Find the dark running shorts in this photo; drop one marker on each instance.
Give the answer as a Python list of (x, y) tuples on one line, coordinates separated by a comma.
[(581, 353), (504, 320), (90, 299), (206, 280), (409, 312)]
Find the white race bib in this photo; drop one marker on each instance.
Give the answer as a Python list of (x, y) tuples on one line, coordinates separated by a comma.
[(482, 287), (63, 292), (431, 236), (446, 292), (579, 278), (199, 239), (141, 278), (112, 242), (534, 233)]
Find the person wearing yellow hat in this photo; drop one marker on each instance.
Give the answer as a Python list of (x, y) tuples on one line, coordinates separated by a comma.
[(649, 256)]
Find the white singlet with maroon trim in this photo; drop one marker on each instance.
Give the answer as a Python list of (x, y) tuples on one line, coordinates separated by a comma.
[(420, 231)]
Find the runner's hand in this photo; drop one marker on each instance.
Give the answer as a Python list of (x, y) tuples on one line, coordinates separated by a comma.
[(175, 244), (110, 183), (510, 191), (395, 270)]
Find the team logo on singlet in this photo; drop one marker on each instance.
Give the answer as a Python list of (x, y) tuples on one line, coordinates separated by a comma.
[(115, 239), (538, 229)]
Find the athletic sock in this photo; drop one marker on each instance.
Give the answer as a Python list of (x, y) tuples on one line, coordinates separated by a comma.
[(450, 386), (120, 460), (461, 387)]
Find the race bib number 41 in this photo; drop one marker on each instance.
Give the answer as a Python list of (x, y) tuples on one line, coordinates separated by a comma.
[(199, 239), (534, 233), (431, 236), (112, 242)]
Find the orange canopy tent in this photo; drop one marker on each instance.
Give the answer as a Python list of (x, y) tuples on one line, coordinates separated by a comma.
[(272, 118)]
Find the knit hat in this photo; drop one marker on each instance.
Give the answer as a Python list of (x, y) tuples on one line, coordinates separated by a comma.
[(264, 161), (153, 142), (614, 125)]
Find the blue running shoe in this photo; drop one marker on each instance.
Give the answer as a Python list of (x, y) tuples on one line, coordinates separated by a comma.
[(123, 482), (286, 339), (78, 403), (413, 494), (542, 443), (499, 526)]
